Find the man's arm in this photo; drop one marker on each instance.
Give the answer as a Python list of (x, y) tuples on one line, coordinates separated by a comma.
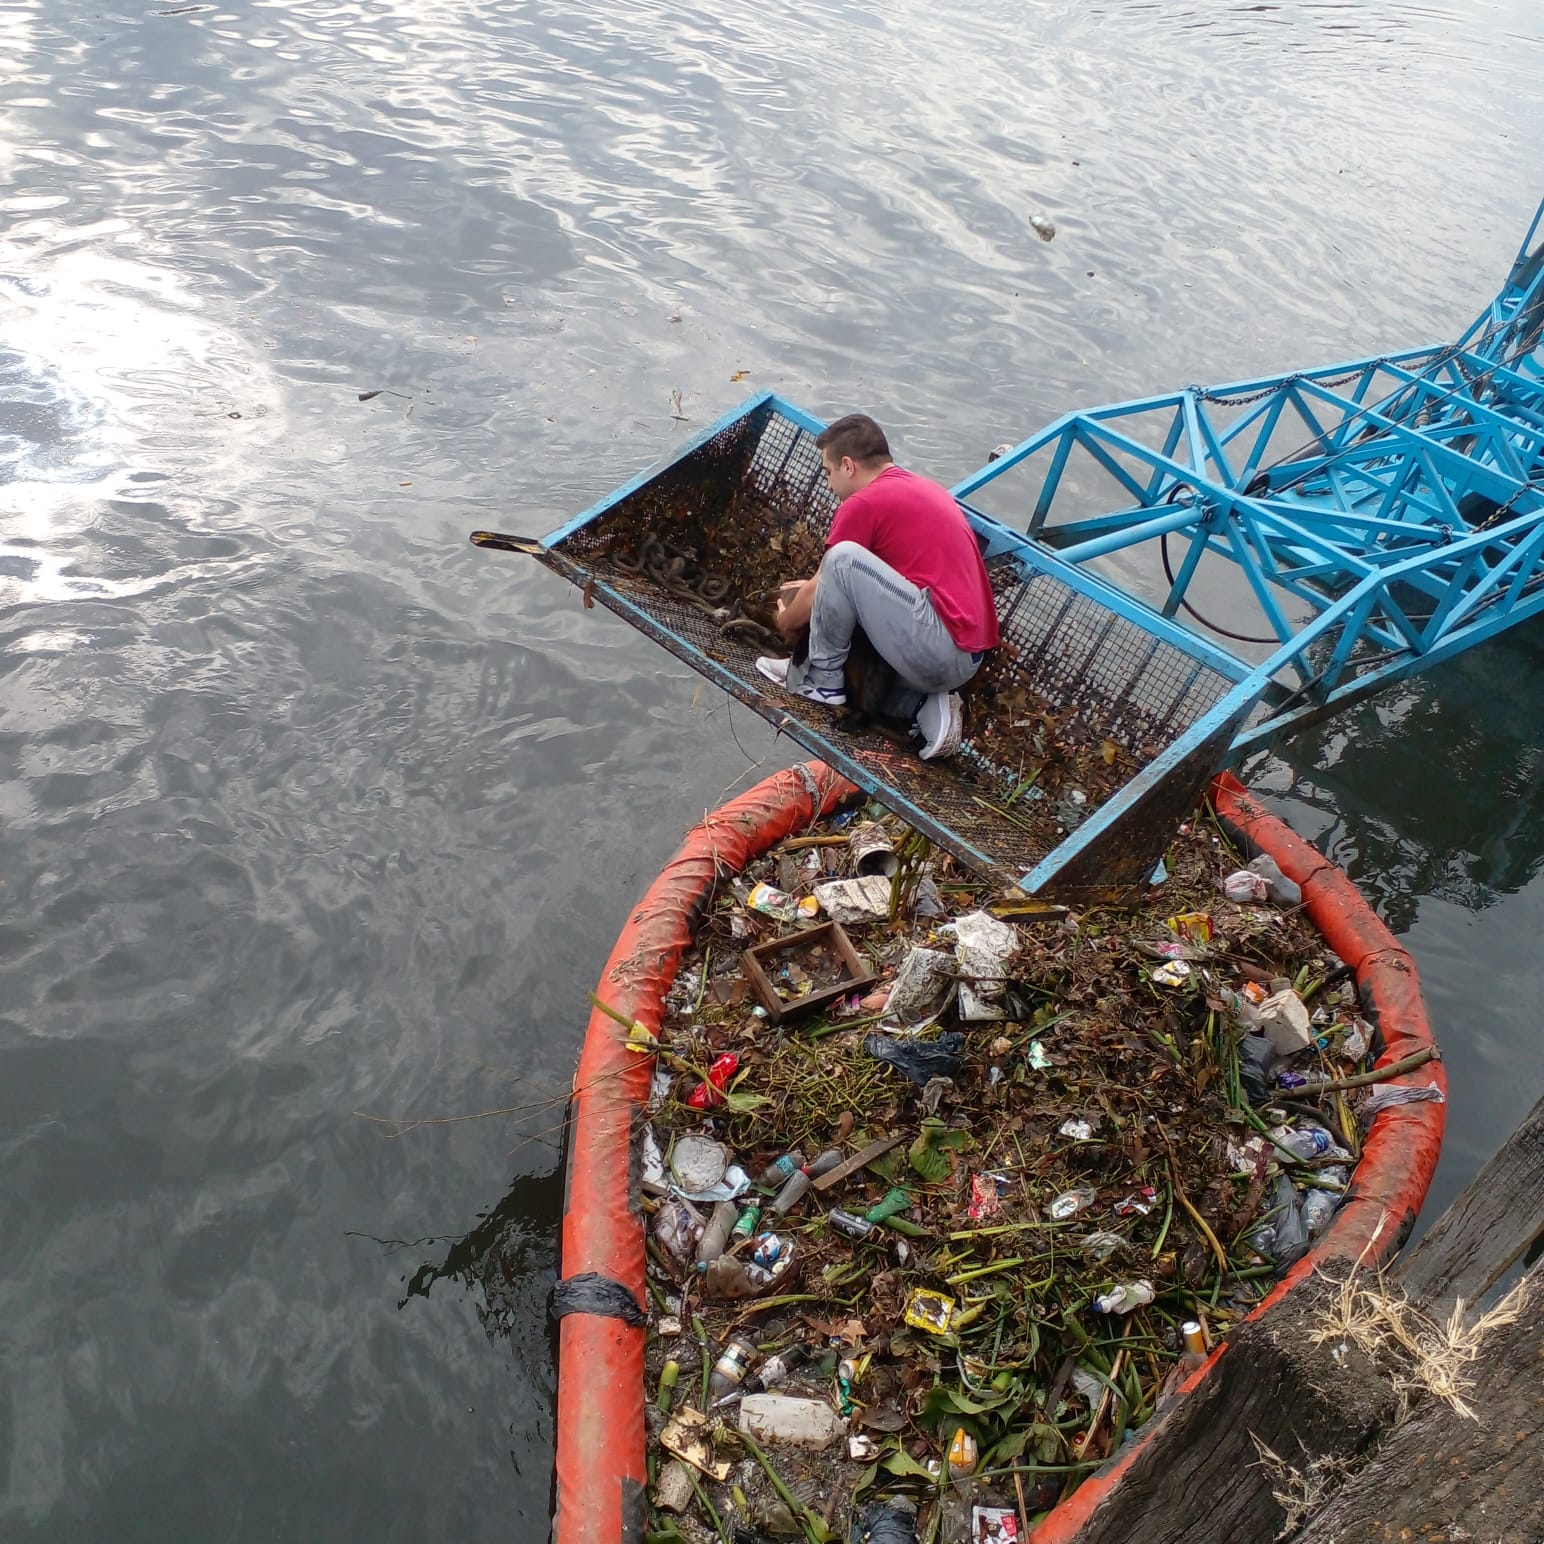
[(793, 610)]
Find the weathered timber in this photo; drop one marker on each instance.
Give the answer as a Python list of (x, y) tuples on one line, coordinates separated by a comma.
[(1199, 1479), (1440, 1476), (1480, 1236)]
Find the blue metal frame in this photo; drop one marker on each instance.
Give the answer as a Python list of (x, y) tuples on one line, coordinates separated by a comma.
[(1409, 527)]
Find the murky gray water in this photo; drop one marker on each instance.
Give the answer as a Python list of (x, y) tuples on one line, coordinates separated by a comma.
[(311, 814)]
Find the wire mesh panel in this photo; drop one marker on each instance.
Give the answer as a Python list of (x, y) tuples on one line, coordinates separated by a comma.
[(1073, 704)]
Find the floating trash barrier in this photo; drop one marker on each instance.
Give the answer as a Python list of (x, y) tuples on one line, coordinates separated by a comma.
[(944, 1207)]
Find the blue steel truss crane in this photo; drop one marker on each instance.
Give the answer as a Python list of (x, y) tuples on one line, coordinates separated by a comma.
[(1403, 522), (1409, 523)]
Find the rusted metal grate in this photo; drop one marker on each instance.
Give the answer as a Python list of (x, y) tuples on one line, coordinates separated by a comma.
[(752, 497)]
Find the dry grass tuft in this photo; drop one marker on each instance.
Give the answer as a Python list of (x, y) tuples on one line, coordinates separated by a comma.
[(1422, 1356), (1300, 1493)]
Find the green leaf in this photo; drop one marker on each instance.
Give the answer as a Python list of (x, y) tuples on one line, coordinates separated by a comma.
[(865, 1479), (902, 1465), (929, 1154), (939, 1403), (743, 1104), (1011, 1447)]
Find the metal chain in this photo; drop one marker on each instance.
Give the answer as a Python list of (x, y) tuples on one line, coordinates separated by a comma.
[(1207, 395), (1502, 511)]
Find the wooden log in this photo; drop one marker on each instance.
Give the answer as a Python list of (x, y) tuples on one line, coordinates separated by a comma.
[(1479, 1237), (1441, 1476)]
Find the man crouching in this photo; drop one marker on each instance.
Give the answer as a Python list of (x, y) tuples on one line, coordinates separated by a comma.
[(902, 563)]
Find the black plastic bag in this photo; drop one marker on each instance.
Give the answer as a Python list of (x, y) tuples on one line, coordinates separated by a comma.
[(886, 1522), (920, 1059), (1257, 1064)]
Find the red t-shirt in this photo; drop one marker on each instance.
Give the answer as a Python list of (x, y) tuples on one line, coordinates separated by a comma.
[(917, 528)]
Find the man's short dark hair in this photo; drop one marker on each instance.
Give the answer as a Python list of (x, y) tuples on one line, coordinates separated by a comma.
[(856, 435)]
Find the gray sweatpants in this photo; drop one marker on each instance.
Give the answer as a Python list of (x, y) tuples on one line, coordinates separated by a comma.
[(857, 589)]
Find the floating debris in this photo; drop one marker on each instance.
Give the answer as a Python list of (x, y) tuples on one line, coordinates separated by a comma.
[(1051, 1165)]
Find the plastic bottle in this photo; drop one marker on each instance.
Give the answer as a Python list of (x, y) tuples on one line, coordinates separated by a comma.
[(1306, 1141), (1288, 1234), (1241, 1010), (677, 1226), (732, 1365), (798, 1183), (1320, 1205), (780, 1170), (769, 1374), (715, 1237), (810, 1423), (776, 1368)]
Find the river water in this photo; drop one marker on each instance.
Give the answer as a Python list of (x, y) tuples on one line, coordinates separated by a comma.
[(313, 818)]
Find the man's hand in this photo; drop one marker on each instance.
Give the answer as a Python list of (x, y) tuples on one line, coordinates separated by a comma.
[(795, 601)]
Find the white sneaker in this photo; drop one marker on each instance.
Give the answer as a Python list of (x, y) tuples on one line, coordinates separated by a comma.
[(776, 671), (941, 719)]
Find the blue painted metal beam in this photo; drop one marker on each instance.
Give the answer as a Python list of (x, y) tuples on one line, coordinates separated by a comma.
[(1417, 482)]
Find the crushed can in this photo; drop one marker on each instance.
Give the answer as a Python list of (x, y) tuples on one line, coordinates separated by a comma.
[(853, 1227)]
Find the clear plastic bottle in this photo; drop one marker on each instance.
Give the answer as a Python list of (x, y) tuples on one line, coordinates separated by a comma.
[(1306, 1141), (677, 1227), (715, 1237), (1320, 1205), (800, 1181), (1289, 1235)]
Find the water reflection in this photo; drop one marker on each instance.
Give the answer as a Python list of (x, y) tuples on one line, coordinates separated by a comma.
[(1434, 791), (509, 1260)]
